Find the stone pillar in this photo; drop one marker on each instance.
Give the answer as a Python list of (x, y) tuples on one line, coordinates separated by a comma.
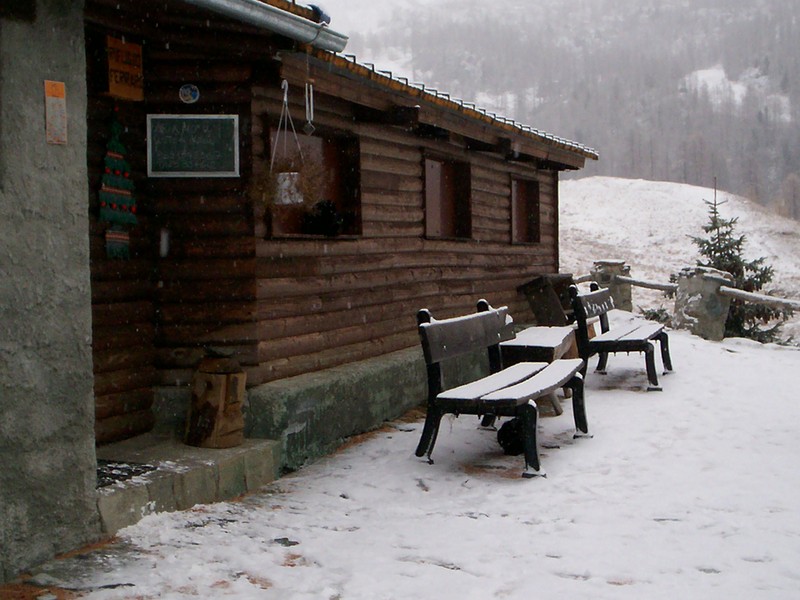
[(48, 501), (604, 273), (698, 305)]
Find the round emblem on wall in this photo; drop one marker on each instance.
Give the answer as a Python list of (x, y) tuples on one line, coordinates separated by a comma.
[(189, 93)]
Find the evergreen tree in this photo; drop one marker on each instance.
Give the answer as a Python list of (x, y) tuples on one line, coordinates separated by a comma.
[(722, 250)]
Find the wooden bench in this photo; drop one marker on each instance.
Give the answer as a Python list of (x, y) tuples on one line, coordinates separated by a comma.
[(636, 336), (509, 392)]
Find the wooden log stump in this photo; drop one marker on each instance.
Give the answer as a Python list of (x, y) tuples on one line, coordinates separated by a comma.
[(215, 417)]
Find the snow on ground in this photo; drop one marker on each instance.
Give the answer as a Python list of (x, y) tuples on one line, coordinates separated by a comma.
[(649, 225), (687, 493)]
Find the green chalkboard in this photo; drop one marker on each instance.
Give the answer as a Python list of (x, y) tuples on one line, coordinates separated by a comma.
[(192, 145)]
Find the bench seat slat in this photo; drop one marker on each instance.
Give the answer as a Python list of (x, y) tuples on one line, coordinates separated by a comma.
[(505, 378), (549, 379), (630, 332)]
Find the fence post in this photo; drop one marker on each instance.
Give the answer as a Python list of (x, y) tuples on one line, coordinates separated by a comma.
[(698, 305), (604, 272)]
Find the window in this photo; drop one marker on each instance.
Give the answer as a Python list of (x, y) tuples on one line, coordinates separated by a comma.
[(318, 194), (447, 199), (525, 216)]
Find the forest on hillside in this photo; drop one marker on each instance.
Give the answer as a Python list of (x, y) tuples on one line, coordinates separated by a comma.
[(674, 90)]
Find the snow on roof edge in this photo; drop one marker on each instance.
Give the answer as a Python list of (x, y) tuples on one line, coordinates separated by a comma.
[(468, 108)]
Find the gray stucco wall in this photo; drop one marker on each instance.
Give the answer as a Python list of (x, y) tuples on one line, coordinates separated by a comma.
[(47, 479)]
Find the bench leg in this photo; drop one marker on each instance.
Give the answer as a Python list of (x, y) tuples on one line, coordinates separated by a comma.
[(529, 415), (602, 361), (650, 363), (663, 339), (585, 366), (488, 420), (578, 404), (429, 433)]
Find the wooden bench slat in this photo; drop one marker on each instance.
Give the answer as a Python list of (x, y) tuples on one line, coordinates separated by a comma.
[(549, 379), (505, 378), (632, 331), (448, 338), (597, 303)]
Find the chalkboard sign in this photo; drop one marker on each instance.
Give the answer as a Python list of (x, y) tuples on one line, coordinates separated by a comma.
[(192, 145)]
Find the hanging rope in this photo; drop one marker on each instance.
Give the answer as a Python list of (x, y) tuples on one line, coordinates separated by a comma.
[(284, 123)]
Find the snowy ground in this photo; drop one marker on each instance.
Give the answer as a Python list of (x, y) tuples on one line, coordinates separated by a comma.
[(649, 224), (688, 493)]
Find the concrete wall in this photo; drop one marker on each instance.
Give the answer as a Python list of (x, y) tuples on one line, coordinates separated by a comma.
[(47, 479), (312, 414)]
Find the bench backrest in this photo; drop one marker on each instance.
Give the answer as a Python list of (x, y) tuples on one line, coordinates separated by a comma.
[(596, 303), (448, 338)]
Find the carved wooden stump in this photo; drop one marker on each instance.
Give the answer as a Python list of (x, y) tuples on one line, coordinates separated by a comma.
[(215, 417)]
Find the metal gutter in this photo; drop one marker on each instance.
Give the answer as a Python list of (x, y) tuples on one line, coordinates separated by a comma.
[(278, 21)]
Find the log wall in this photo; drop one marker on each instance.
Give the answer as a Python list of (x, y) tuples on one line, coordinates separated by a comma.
[(153, 316), (294, 304), (123, 309), (325, 302), (205, 285)]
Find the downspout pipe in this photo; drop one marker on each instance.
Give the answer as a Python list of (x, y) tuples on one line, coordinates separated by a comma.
[(278, 21)]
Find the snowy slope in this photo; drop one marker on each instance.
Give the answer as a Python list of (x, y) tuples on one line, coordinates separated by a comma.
[(648, 224)]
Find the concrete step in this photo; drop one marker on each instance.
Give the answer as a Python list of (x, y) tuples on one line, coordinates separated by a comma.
[(182, 476)]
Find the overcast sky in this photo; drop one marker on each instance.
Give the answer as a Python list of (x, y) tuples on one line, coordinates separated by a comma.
[(349, 16)]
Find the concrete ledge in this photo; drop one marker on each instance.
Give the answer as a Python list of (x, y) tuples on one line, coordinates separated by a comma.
[(311, 414), (184, 476)]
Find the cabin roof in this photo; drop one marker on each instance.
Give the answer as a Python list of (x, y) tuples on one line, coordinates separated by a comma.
[(327, 46), (351, 64)]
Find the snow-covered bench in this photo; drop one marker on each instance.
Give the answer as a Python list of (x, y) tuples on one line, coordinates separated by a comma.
[(636, 336), (510, 392)]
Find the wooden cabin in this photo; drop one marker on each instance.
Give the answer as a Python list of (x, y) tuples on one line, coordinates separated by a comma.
[(155, 206), (403, 198)]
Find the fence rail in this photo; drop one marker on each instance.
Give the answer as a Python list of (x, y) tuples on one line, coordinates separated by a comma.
[(771, 301), (651, 285), (696, 309)]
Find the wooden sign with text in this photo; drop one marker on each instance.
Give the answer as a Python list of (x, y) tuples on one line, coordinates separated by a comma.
[(125, 73)]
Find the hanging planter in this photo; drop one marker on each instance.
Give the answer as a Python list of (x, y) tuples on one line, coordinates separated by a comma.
[(287, 188), (293, 185)]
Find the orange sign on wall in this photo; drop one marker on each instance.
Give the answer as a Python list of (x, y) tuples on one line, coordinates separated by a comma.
[(125, 73), (55, 112)]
